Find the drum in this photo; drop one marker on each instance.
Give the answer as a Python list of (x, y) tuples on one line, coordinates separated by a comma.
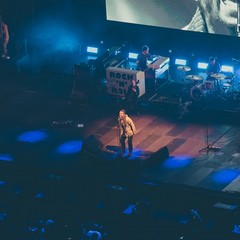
[(197, 91), (226, 84), (208, 84)]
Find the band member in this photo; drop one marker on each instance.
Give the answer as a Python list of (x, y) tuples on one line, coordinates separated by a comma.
[(131, 99), (142, 58), (127, 130), (4, 39), (213, 67)]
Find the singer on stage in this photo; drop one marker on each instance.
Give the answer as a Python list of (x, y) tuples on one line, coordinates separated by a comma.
[(127, 130)]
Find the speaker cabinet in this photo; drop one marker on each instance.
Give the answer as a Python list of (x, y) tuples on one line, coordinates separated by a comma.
[(81, 76), (158, 157), (92, 146)]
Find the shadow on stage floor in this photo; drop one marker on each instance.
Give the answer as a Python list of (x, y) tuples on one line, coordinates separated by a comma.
[(168, 187)]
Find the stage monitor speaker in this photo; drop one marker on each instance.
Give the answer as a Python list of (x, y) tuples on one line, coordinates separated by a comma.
[(158, 157), (92, 146), (81, 76)]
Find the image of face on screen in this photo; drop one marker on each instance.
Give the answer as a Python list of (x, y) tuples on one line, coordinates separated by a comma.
[(216, 16), (210, 16)]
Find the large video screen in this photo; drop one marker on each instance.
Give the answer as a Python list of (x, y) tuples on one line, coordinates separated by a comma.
[(209, 16)]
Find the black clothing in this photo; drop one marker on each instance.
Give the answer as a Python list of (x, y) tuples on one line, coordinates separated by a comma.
[(131, 100), (211, 69), (123, 145), (142, 61)]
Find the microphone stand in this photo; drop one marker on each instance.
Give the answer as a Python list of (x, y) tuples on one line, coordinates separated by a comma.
[(208, 147)]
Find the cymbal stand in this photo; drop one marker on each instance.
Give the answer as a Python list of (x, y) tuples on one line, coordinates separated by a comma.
[(182, 75), (208, 147), (235, 81), (185, 84), (211, 147), (236, 89), (219, 90)]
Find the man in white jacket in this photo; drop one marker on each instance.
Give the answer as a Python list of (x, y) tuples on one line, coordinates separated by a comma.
[(127, 130)]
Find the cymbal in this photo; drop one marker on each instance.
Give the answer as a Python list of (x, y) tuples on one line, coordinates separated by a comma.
[(184, 68), (227, 85), (194, 77), (218, 76)]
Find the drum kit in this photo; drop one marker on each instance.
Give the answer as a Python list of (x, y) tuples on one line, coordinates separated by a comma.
[(217, 85), (184, 68)]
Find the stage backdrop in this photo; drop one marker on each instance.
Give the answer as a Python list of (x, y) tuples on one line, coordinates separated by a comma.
[(192, 15)]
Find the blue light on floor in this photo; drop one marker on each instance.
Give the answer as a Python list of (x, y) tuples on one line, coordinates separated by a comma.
[(2, 183), (225, 175), (130, 209), (32, 136), (177, 162), (138, 152), (236, 229), (40, 195), (2, 216), (6, 157), (70, 147)]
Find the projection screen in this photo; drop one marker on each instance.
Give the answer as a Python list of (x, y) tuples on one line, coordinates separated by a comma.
[(209, 16)]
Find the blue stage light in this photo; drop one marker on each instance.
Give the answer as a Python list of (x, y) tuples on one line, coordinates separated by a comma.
[(32, 136), (202, 65), (6, 157), (225, 175), (182, 62), (70, 147), (177, 162), (227, 69), (132, 55), (92, 50), (236, 229), (40, 195), (2, 183)]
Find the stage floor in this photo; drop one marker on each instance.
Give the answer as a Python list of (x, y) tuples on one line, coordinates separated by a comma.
[(42, 132), (30, 104), (203, 155)]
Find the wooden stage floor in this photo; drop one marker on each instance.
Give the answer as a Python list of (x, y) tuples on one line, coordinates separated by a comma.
[(31, 106), (202, 155)]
